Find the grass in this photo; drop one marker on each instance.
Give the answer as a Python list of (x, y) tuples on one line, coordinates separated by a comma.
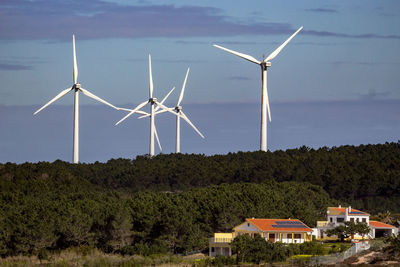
[(95, 258)]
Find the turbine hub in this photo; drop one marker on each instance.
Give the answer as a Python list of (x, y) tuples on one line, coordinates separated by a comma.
[(77, 86), (265, 65), (152, 100), (178, 108)]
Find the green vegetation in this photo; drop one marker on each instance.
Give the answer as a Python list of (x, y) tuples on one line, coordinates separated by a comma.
[(348, 229), (362, 176), (258, 250), (173, 203), (39, 214)]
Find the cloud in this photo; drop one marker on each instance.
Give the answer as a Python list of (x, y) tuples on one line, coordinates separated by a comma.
[(322, 10), (239, 78), (93, 19), (8, 66)]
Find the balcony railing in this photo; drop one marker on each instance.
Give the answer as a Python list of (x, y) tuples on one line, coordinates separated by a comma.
[(221, 239)]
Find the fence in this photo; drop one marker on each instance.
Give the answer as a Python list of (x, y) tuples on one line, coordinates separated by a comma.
[(338, 257)]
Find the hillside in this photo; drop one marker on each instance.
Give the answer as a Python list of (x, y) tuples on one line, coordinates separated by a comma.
[(363, 176)]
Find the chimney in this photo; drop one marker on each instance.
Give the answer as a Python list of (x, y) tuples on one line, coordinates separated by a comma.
[(346, 212), (340, 206), (349, 209)]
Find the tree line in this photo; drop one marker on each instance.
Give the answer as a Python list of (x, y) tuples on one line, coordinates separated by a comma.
[(46, 213), (363, 176)]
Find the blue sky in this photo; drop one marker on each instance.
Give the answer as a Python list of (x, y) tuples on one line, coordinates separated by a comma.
[(346, 53)]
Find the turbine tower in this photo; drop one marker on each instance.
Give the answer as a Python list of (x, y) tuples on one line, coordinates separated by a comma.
[(152, 101), (76, 87), (178, 110), (265, 63)]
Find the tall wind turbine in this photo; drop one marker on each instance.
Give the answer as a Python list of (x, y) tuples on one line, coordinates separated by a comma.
[(265, 63), (152, 101), (178, 110), (76, 87)]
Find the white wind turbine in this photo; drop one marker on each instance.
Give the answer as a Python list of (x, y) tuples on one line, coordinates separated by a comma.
[(178, 110), (265, 63), (76, 87), (152, 101)]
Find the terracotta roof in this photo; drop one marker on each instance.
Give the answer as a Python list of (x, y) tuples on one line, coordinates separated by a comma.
[(280, 225), (377, 224), (341, 211)]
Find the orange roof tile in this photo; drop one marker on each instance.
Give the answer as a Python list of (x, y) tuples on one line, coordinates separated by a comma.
[(280, 225), (377, 224), (341, 211)]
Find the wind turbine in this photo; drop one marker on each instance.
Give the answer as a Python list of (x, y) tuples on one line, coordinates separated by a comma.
[(265, 63), (76, 87), (179, 112), (152, 101)]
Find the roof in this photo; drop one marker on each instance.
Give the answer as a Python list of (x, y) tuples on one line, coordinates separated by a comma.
[(381, 225), (281, 225), (341, 211)]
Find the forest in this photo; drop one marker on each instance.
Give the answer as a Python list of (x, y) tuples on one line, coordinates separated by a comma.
[(173, 203)]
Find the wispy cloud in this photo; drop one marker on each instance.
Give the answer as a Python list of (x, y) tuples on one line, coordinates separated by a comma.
[(239, 78), (322, 10), (92, 19), (10, 66)]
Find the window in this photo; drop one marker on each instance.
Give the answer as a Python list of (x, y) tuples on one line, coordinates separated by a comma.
[(212, 249), (248, 224), (331, 219), (352, 219), (289, 236), (297, 236), (340, 220), (357, 220), (364, 219)]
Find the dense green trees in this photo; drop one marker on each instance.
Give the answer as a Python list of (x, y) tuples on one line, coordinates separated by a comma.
[(175, 202), (43, 213), (362, 176)]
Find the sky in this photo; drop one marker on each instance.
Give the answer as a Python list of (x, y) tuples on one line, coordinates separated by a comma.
[(335, 83)]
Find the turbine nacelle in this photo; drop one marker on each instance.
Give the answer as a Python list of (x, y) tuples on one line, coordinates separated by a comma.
[(77, 86), (178, 108), (265, 65), (152, 100)]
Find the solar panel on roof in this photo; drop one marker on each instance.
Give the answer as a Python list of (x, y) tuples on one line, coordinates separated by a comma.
[(356, 212), (288, 222), (289, 226)]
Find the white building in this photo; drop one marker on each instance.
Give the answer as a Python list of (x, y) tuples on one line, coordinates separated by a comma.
[(337, 216)]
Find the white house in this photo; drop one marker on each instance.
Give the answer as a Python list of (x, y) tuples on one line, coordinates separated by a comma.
[(337, 216)]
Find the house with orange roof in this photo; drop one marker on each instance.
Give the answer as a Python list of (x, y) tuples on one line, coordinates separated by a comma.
[(273, 230), (338, 215)]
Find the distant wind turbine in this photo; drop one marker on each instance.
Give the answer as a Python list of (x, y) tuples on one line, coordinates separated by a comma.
[(178, 110), (265, 63), (76, 87), (152, 101)]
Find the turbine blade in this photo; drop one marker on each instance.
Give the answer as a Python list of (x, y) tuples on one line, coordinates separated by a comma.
[(165, 98), (165, 108), (158, 140), (150, 79), (268, 108), (138, 111), (61, 94), (89, 94), (247, 57), (278, 50), (183, 87), (191, 124), (133, 111), (75, 70)]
